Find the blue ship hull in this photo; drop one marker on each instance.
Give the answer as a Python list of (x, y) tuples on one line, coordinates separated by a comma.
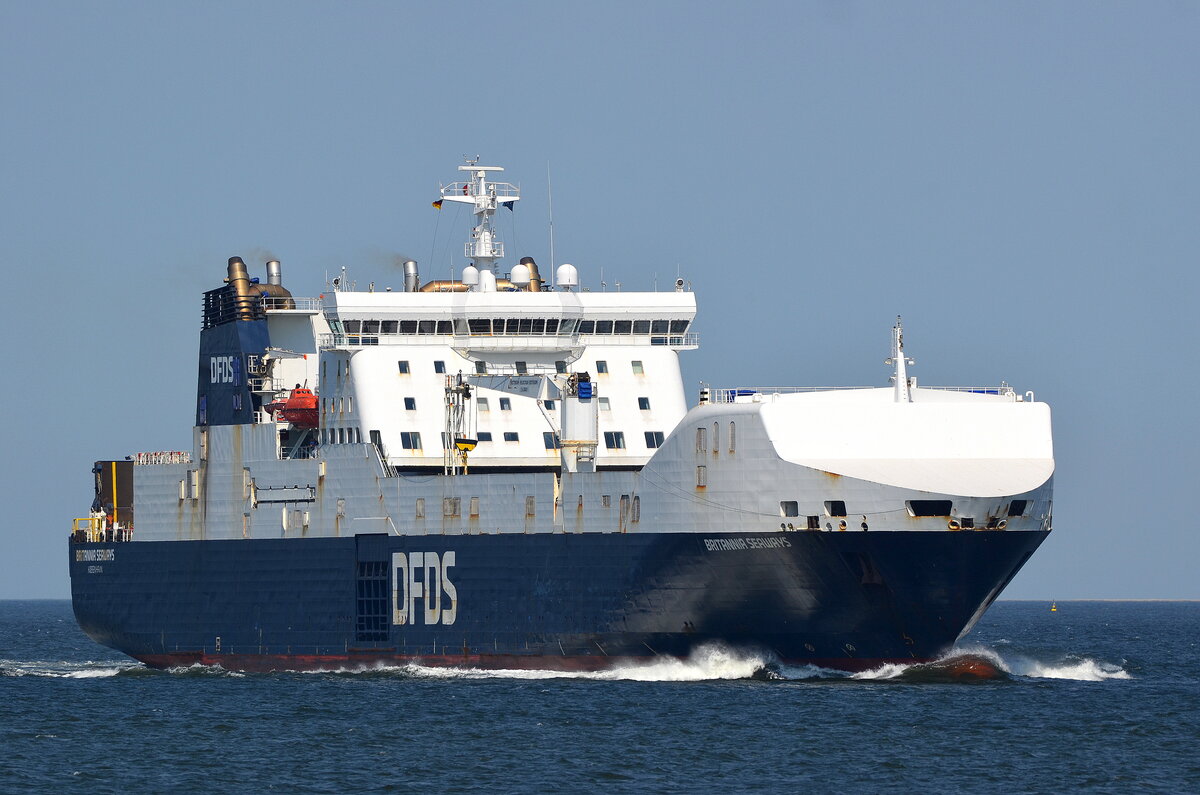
[(846, 600)]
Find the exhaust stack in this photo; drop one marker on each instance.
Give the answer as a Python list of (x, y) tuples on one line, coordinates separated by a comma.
[(412, 277), (244, 297)]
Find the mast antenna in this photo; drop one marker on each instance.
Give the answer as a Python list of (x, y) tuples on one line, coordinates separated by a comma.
[(550, 202)]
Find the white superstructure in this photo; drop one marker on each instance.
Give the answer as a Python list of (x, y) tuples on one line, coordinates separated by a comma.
[(502, 403)]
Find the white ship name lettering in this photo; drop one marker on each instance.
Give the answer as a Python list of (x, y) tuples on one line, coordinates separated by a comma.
[(734, 544), (94, 555)]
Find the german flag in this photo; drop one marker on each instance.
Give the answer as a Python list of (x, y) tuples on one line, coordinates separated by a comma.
[(437, 205)]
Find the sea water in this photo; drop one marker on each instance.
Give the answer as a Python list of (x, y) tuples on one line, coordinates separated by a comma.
[(1095, 696)]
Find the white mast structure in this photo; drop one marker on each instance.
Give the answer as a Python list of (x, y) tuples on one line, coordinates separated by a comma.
[(900, 377), (484, 247)]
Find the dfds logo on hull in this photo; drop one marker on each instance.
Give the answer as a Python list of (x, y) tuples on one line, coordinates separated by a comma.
[(427, 575)]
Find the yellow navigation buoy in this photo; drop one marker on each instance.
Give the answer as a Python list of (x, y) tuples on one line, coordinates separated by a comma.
[(1054, 607)]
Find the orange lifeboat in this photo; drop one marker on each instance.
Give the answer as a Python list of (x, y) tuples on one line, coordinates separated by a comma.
[(300, 408)]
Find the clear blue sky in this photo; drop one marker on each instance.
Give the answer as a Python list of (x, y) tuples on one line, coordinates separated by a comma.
[(1021, 181)]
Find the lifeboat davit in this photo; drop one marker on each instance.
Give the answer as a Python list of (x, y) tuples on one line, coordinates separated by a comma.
[(300, 408)]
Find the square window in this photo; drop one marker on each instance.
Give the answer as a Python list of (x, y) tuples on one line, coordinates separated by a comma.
[(644, 403), (505, 404), (601, 366), (604, 406), (410, 404), (604, 327), (622, 326), (410, 440), (789, 508), (550, 405), (560, 366), (550, 439), (481, 368), (482, 404), (511, 436), (522, 368), (484, 436), (654, 439), (637, 367), (614, 440), (439, 367), (403, 367), (835, 507), (641, 327)]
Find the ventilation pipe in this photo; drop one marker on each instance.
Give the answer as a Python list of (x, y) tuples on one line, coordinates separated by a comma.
[(274, 273)]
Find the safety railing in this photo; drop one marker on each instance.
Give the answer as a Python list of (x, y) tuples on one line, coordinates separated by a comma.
[(162, 457), (734, 394), (275, 304), (95, 530)]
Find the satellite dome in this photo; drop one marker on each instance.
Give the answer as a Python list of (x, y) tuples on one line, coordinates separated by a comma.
[(470, 275), (520, 275), (566, 276)]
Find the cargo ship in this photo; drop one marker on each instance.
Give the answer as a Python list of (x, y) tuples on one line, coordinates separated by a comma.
[(503, 471)]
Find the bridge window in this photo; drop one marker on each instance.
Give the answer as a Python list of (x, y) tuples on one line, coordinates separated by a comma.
[(654, 439), (587, 326), (388, 327), (604, 327), (622, 326), (679, 326), (659, 327), (427, 326), (406, 327), (445, 327), (614, 440), (641, 327)]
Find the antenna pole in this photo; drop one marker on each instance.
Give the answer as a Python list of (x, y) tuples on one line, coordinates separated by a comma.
[(550, 202)]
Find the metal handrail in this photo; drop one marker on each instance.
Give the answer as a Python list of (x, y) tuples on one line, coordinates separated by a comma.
[(162, 457), (731, 394), (273, 303)]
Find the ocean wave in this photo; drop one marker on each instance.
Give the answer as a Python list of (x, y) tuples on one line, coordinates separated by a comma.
[(65, 669), (711, 662)]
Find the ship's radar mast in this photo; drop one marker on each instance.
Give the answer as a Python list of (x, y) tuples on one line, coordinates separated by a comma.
[(485, 196)]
